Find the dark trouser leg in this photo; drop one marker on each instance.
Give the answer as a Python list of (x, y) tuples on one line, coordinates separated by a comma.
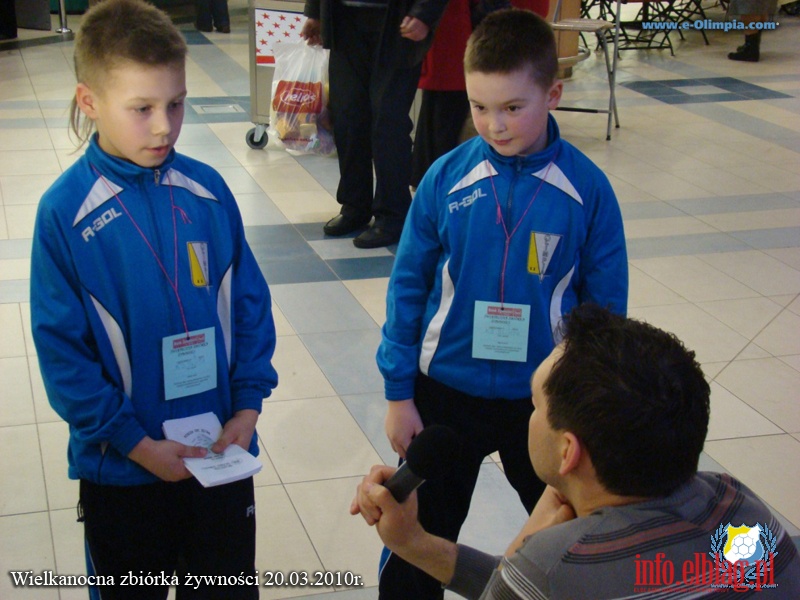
[(8, 20), (444, 503), (392, 93), (441, 119), (220, 538), (513, 417), (350, 73), (219, 12), (130, 529), (202, 19)]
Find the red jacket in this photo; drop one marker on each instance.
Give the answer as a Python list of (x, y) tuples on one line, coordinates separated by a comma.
[(443, 67)]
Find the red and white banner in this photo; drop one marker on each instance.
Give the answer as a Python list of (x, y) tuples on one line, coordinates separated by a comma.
[(274, 27)]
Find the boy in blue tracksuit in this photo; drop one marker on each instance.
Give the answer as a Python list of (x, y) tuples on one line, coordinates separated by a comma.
[(505, 235), (147, 305)]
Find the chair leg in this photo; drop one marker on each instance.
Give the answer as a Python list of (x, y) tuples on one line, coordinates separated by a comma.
[(611, 71)]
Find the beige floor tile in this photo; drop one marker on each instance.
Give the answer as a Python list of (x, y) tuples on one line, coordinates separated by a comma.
[(254, 209), (751, 220), (731, 418), (788, 256), (782, 335), (710, 339), (61, 136), (24, 139), (19, 447), (282, 543), (752, 352), (69, 548), (20, 220), (770, 177), (268, 475), (25, 312), (757, 270), (11, 326), (298, 373), (652, 228), (26, 545), (793, 361), (794, 306), (693, 279), (720, 183), (68, 541), (769, 386), (314, 439), (15, 268), (17, 397), (23, 189), (283, 178), (306, 207), (3, 226), (627, 192), (665, 186), (28, 162), (343, 542), (752, 460), (712, 369), (646, 291), (747, 316), (282, 325), (62, 492), (371, 294), (41, 405)]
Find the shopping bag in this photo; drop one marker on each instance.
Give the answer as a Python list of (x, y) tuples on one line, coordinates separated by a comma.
[(299, 118)]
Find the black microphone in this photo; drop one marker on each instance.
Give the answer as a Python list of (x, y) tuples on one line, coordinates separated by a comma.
[(428, 456)]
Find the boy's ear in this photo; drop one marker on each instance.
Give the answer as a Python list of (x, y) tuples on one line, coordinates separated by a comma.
[(554, 94), (86, 100)]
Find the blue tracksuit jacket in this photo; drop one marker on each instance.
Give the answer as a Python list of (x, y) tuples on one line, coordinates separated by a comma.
[(569, 249), (101, 304)]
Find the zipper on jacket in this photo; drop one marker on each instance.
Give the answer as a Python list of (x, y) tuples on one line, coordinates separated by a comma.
[(156, 176), (510, 201)]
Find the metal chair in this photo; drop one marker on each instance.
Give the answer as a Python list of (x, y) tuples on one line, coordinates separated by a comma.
[(603, 30)]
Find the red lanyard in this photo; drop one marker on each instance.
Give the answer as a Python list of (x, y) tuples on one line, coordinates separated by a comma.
[(173, 281), (501, 220)]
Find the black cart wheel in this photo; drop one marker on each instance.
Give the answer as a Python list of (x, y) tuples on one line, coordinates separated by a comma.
[(251, 140)]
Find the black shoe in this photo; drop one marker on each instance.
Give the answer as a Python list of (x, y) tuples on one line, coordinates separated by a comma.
[(746, 54), (376, 237), (342, 225), (207, 29), (224, 28), (750, 51)]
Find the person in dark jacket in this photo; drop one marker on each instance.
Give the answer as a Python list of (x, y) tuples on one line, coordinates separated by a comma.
[(377, 47)]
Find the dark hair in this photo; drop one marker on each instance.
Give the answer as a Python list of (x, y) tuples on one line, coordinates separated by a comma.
[(117, 31), (634, 396), (511, 40)]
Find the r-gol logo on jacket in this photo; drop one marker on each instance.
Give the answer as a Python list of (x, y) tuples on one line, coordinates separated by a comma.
[(99, 223)]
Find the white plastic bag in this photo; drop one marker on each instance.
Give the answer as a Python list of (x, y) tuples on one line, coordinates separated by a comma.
[(299, 119)]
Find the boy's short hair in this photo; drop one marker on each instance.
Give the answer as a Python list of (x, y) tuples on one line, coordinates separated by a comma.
[(634, 396), (511, 40), (114, 32)]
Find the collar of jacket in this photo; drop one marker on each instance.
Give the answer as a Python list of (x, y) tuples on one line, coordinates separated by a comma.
[(531, 163), (113, 166)]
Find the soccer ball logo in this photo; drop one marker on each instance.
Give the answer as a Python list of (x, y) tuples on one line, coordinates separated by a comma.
[(744, 543)]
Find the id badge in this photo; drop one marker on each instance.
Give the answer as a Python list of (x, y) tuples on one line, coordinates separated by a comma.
[(190, 363), (500, 332)]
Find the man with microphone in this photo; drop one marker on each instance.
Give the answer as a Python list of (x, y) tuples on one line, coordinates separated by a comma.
[(621, 417)]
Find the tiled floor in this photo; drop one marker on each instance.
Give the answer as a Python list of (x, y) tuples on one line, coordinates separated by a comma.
[(706, 166)]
